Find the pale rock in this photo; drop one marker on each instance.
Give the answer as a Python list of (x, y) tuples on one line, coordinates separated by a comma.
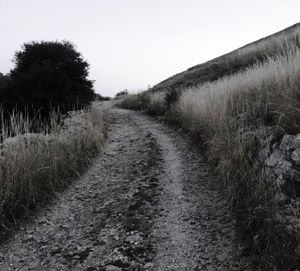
[(295, 176), (281, 182), (273, 159), (148, 265), (297, 250), (280, 198), (28, 238), (112, 268), (286, 142), (296, 142), (295, 157)]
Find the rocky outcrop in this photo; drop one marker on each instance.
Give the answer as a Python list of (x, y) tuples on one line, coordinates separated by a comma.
[(283, 167), (279, 153)]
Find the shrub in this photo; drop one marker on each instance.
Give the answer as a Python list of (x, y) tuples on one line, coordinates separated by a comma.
[(157, 103), (99, 97), (172, 96), (8, 97), (122, 94), (49, 75), (135, 101)]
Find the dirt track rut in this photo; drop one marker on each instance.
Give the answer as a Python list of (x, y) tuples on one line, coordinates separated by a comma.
[(145, 204)]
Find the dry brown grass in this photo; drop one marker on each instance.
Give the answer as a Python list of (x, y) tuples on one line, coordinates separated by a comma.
[(157, 103), (265, 95), (226, 114), (35, 165), (135, 101), (269, 46), (231, 62), (152, 102)]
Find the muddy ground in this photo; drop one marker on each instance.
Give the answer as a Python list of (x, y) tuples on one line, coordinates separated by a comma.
[(145, 204)]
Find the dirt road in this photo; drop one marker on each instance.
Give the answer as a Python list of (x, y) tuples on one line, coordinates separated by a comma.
[(145, 204)]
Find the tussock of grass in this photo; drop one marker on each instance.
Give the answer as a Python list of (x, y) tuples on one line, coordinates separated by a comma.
[(35, 165), (157, 103)]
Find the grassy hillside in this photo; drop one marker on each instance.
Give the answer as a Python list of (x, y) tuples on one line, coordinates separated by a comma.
[(244, 107), (234, 61)]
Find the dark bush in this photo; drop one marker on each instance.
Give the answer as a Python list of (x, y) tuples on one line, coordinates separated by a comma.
[(122, 93), (172, 96), (99, 97), (48, 75), (8, 97)]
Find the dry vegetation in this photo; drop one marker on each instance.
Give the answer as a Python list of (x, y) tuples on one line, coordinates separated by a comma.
[(226, 115), (222, 113), (265, 94), (232, 62), (153, 103), (35, 165)]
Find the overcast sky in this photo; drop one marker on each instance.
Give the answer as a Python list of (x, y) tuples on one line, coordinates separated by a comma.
[(131, 44)]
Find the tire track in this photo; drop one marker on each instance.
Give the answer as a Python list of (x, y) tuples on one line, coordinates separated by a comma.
[(145, 204)]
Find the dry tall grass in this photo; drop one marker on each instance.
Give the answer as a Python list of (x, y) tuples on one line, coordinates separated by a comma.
[(152, 102), (267, 94), (270, 45), (231, 62), (35, 165), (135, 101), (264, 94), (157, 103), (227, 115)]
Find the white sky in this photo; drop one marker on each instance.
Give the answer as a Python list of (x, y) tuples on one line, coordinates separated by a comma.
[(131, 44)]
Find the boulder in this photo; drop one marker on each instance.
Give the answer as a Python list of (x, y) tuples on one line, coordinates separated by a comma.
[(274, 158), (286, 142), (296, 142), (284, 168), (148, 265), (294, 183), (295, 176), (112, 268), (281, 183), (295, 157), (280, 198)]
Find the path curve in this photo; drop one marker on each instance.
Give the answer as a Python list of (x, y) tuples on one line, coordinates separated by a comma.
[(145, 204)]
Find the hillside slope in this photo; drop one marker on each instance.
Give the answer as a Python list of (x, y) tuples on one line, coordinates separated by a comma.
[(243, 109), (231, 62)]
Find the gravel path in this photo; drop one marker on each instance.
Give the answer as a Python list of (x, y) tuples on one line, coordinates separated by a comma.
[(145, 204)]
